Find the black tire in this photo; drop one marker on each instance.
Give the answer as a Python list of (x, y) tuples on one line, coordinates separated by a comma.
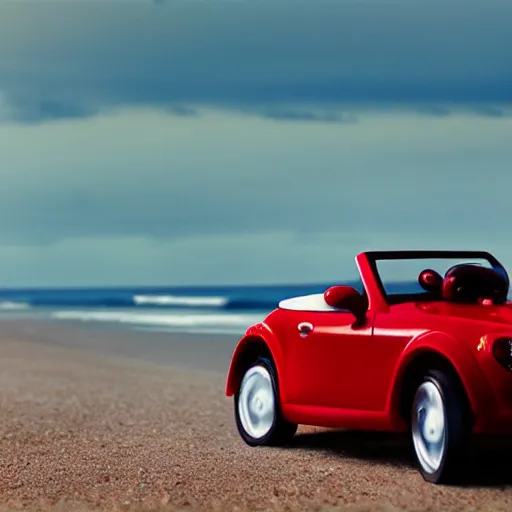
[(446, 388), (281, 431)]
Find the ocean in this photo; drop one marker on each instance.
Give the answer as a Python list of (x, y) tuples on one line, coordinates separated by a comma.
[(200, 310)]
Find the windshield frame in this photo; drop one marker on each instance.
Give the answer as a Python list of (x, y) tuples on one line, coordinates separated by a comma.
[(398, 298)]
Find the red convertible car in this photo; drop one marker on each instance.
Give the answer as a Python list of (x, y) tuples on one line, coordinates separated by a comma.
[(434, 362)]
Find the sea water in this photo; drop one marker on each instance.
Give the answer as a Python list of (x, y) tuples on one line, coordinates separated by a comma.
[(205, 310)]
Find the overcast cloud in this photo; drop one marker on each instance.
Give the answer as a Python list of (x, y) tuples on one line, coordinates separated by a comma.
[(81, 55), (232, 141)]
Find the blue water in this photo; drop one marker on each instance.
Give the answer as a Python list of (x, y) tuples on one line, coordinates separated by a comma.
[(215, 310)]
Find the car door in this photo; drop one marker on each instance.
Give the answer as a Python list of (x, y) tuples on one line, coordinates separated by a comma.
[(392, 331), (327, 361)]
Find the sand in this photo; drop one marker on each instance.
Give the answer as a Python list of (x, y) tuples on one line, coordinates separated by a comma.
[(85, 425)]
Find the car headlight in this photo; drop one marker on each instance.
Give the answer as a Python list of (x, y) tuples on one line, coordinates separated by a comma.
[(502, 352)]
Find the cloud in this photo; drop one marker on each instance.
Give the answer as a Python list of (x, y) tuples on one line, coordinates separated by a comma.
[(32, 110), (274, 256), (278, 113), (434, 110), (147, 197), (491, 111), (182, 111), (480, 110), (277, 137), (144, 175), (270, 52)]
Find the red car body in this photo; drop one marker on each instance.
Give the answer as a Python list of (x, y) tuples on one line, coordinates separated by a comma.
[(335, 372)]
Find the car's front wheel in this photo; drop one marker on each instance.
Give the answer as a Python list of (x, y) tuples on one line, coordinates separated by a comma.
[(438, 427), (257, 409)]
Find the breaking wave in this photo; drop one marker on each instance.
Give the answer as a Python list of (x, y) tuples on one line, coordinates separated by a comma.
[(225, 303), (146, 301), (9, 306), (217, 302), (172, 300)]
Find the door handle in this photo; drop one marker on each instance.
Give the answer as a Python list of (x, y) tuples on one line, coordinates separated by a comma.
[(305, 328)]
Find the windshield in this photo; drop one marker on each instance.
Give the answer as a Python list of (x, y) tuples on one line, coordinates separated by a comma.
[(400, 277)]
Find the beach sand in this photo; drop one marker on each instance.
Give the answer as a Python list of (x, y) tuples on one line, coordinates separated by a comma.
[(107, 420)]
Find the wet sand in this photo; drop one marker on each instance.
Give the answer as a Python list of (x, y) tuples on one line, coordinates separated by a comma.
[(107, 420)]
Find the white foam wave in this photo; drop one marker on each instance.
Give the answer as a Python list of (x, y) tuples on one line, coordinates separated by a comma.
[(186, 322), (7, 305), (173, 300)]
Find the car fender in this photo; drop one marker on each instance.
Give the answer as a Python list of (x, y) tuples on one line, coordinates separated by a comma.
[(259, 333), (478, 390)]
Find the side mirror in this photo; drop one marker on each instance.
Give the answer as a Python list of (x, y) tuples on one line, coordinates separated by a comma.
[(346, 297)]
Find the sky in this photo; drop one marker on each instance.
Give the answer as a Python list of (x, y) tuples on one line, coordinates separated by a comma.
[(231, 142)]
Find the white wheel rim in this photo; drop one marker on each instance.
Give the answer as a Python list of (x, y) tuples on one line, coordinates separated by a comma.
[(429, 426), (256, 402)]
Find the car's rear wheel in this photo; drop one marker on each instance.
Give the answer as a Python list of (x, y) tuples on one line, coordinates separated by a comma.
[(438, 427), (257, 409)]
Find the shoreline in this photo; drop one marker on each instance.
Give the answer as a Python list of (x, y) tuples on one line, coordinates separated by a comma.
[(83, 429), (206, 352)]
